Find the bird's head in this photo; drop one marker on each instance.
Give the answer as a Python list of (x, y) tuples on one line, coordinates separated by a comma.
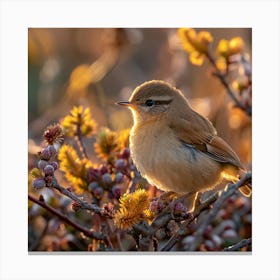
[(152, 100)]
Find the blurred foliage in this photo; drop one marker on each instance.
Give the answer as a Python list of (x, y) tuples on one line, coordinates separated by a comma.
[(75, 74)]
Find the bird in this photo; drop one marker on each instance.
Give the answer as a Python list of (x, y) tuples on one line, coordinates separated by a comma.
[(174, 147)]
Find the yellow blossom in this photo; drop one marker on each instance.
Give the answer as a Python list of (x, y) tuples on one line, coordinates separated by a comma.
[(221, 63), (75, 169), (230, 47), (106, 144), (36, 173), (223, 48), (79, 119), (123, 138), (196, 44), (132, 209), (236, 45)]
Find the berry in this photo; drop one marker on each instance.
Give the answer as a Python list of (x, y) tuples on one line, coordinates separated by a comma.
[(93, 186), (209, 245), (45, 154), (116, 190), (93, 174), (228, 224), (52, 150), (217, 240), (156, 206), (188, 240), (119, 178), (179, 208), (120, 164), (42, 164), (98, 192), (208, 231), (54, 164), (76, 206), (125, 154), (230, 236), (39, 183), (103, 169), (107, 179), (49, 170)]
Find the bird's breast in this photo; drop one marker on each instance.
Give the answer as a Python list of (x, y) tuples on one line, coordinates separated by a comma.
[(162, 159)]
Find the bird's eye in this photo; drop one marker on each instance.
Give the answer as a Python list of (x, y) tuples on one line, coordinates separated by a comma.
[(149, 103)]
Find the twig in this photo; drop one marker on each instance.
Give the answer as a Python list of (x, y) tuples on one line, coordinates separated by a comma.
[(85, 231), (232, 188), (80, 142), (241, 244), (231, 93), (83, 204), (182, 231)]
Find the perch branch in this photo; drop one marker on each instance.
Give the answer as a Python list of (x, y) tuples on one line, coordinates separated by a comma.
[(85, 231), (182, 231), (241, 244), (231, 189)]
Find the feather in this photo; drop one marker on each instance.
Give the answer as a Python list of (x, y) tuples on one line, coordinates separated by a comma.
[(201, 135)]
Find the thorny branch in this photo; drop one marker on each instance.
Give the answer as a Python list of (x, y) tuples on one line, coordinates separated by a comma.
[(85, 231)]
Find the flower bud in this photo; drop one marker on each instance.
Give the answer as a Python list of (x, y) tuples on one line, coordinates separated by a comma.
[(39, 183), (49, 170), (156, 206), (230, 236), (116, 190), (120, 164), (54, 164), (93, 174), (92, 186), (76, 206), (208, 231), (46, 154), (125, 154), (103, 169), (42, 164), (236, 45), (179, 208), (52, 150), (98, 192), (119, 178), (209, 245), (107, 179)]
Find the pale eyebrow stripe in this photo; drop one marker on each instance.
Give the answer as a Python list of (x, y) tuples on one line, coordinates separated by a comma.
[(160, 98)]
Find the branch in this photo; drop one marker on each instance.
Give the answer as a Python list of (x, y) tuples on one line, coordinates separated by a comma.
[(182, 231), (85, 231), (241, 244), (83, 204), (231, 93), (231, 189), (80, 142)]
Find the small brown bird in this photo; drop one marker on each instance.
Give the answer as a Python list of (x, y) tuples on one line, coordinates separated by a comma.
[(175, 148)]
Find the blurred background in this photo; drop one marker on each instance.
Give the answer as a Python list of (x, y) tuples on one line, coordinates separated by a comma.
[(96, 67)]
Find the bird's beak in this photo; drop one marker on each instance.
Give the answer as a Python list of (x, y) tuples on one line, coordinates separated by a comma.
[(124, 103)]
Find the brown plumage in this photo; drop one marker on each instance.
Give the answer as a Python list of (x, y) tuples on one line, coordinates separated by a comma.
[(174, 147)]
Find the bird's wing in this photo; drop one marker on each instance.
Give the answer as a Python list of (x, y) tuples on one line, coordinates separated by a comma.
[(203, 137)]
